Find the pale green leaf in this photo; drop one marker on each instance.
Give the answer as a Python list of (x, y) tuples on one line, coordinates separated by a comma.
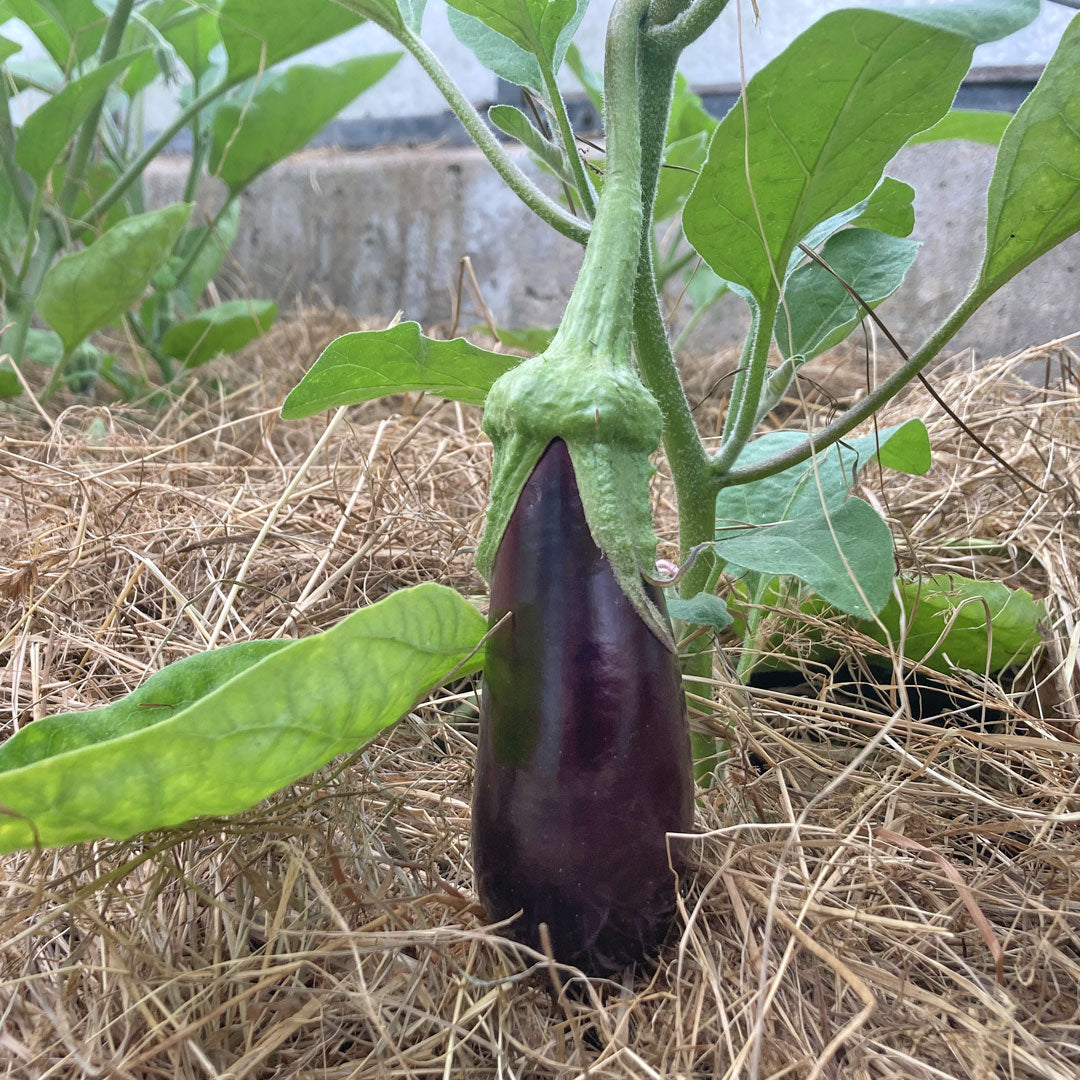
[(224, 328), (518, 126), (978, 20), (974, 125)]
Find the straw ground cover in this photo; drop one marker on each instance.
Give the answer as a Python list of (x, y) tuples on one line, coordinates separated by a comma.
[(875, 893)]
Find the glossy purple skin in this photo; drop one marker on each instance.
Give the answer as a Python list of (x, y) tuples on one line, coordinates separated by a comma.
[(584, 760)]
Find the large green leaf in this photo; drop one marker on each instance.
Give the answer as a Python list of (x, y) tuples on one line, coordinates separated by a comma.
[(978, 20), (929, 606), (224, 328), (824, 118), (288, 107), (823, 483), (216, 741), (49, 127), (70, 30), (1034, 200), (372, 363), (85, 291), (845, 555), (818, 309), (974, 125), (259, 33)]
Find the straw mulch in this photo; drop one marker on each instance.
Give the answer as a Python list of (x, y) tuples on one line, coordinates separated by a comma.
[(874, 893)]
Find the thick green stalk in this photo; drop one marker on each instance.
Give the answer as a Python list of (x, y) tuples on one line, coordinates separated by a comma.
[(842, 425), (539, 203), (582, 183), (88, 132), (686, 28)]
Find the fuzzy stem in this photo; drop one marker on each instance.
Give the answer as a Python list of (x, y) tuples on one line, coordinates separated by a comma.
[(686, 28), (566, 135)]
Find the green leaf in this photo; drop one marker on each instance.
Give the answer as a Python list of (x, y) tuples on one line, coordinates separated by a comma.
[(889, 208), (49, 127), (193, 35), (683, 160), (824, 119), (929, 604), (975, 125), (979, 20), (34, 73), (687, 116), (8, 48), (259, 33), (213, 251), (822, 483), (372, 363), (845, 556), (288, 107), (704, 287), (704, 609), (817, 307), (533, 339), (228, 742), (43, 347), (518, 126), (85, 291), (225, 328), (9, 382), (497, 53), (70, 30), (1034, 200), (592, 82), (98, 178)]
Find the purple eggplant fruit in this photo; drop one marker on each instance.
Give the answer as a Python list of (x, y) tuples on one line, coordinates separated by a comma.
[(584, 761)]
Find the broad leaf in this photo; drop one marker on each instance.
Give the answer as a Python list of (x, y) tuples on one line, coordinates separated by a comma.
[(818, 309), (222, 741), (98, 178), (259, 33), (930, 604), (193, 35), (212, 252), (518, 126), (889, 208), (824, 119), (224, 328), (974, 125), (289, 106), (824, 482), (1034, 200), (85, 291), (497, 53), (49, 127), (845, 555), (978, 20), (70, 30), (704, 287), (704, 609), (372, 363)]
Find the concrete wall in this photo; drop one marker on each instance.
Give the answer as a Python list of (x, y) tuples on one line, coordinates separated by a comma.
[(379, 231)]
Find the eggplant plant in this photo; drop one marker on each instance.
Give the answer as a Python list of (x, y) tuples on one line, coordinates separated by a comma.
[(79, 249), (583, 780)]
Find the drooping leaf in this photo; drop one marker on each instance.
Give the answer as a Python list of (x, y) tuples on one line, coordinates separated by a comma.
[(70, 30), (1034, 200), (979, 20), (87, 290), (288, 107), (823, 483), (592, 82), (372, 363), (49, 127), (824, 118), (224, 328), (844, 555), (974, 125), (223, 743), (704, 609), (818, 309), (259, 33), (930, 604), (518, 126)]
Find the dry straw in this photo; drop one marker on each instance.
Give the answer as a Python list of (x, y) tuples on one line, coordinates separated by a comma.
[(875, 894)]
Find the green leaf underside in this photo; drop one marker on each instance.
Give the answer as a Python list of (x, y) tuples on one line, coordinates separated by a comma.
[(87, 290), (974, 125), (930, 604), (540, 27), (288, 108), (824, 119), (1034, 199), (497, 53), (70, 30), (272, 722), (49, 127), (518, 126), (704, 609), (819, 309), (224, 328), (845, 556), (259, 33), (978, 20), (370, 364)]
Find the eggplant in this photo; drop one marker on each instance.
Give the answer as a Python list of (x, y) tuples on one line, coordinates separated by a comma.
[(584, 760)]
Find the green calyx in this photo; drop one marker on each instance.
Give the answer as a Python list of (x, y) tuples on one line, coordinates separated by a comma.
[(610, 424)]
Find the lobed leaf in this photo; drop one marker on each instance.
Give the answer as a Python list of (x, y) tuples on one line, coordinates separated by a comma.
[(227, 741), (370, 364)]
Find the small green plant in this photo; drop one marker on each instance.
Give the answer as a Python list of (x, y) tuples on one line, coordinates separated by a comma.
[(786, 203), (79, 250)]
